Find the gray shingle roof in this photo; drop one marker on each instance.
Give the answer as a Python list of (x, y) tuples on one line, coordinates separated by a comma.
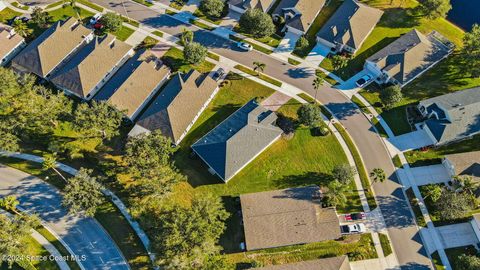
[(287, 217), (236, 141), (409, 55), (462, 118), (174, 109), (351, 24), (335, 263), (308, 10)]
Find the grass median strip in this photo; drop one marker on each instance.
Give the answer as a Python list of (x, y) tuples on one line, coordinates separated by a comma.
[(415, 207), (385, 243), (259, 75), (91, 5), (18, 5), (360, 167), (293, 62), (201, 25)]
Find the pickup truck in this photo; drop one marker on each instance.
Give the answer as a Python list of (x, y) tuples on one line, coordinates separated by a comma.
[(353, 228)]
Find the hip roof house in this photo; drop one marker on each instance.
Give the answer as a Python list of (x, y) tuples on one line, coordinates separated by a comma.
[(335, 263), (287, 217), (91, 67), (52, 48), (408, 57), (238, 140), (10, 44), (133, 86), (453, 116), (178, 106), (349, 27), (242, 5), (464, 164), (298, 14)]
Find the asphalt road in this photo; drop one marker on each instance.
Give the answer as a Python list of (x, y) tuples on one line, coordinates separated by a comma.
[(400, 222), (84, 236)]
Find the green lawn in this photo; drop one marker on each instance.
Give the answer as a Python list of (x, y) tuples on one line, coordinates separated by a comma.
[(437, 261), (260, 76), (91, 5), (7, 14), (18, 5), (272, 41), (434, 155), (385, 242), (67, 12), (357, 247), (123, 33), (198, 13), (201, 24), (35, 249), (416, 208), (59, 246), (55, 4), (174, 59)]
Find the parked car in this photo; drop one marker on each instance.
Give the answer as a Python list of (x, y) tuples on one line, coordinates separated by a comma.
[(244, 46), (353, 216), (218, 74), (353, 228), (98, 26), (363, 80), (95, 18)]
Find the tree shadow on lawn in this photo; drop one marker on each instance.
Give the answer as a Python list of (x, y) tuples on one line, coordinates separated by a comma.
[(234, 234), (398, 17), (306, 179)]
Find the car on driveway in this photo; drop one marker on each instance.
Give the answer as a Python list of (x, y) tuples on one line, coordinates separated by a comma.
[(244, 46), (353, 217), (95, 18), (353, 228), (218, 74), (363, 80)]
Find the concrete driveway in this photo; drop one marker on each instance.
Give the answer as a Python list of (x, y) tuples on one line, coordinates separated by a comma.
[(350, 87), (317, 54), (433, 174), (231, 19), (457, 235), (84, 236), (287, 44), (412, 140)]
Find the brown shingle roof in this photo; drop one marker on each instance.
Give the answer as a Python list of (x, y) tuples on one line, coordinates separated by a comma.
[(409, 55), (91, 64), (144, 80), (466, 164), (8, 42), (47, 51), (174, 109), (287, 217), (308, 11), (335, 263), (351, 24), (261, 4)]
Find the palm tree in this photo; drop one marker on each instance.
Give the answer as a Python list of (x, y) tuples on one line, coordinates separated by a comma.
[(336, 193), (319, 81), (9, 203), (21, 28), (259, 67), (50, 162), (378, 175)]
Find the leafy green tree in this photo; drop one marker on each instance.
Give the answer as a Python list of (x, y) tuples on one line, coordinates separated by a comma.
[(302, 43), (21, 28), (259, 67), (40, 17), (9, 203), (188, 236), (339, 62), (309, 114), (161, 181), (8, 140), (147, 152), (344, 173), (194, 53), (101, 119), (453, 205), (391, 96), (50, 162), (335, 195), (435, 9), (187, 36), (83, 194), (434, 192), (112, 22), (467, 262), (378, 175), (212, 8), (471, 51), (257, 23)]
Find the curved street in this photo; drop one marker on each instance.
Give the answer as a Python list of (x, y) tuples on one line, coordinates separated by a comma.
[(84, 236)]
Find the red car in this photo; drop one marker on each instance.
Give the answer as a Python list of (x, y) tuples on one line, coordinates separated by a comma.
[(354, 216), (98, 26)]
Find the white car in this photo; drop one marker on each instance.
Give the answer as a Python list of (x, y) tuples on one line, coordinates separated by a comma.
[(353, 228), (244, 46), (95, 18), (363, 80)]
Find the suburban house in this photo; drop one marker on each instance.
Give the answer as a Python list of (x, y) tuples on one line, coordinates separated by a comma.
[(334, 263), (91, 67), (242, 5), (298, 14), (52, 48), (10, 44), (463, 164), (287, 217), (178, 106), (238, 140), (408, 57), (134, 85), (451, 117), (349, 27)]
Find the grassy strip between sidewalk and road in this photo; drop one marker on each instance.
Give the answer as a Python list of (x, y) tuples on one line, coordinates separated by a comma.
[(201, 24), (90, 5), (397, 162), (107, 215), (143, 2), (294, 62), (385, 243), (20, 6), (130, 21), (416, 208), (259, 75), (56, 4), (255, 46), (215, 57), (362, 172), (59, 246), (158, 33), (374, 120), (123, 33)]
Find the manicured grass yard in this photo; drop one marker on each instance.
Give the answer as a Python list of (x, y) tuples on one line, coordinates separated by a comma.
[(7, 14), (68, 11), (259, 75), (123, 33), (34, 249), (357, 247), (174, 58)]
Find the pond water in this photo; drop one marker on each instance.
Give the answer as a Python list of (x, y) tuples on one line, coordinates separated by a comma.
[(465, 13)]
